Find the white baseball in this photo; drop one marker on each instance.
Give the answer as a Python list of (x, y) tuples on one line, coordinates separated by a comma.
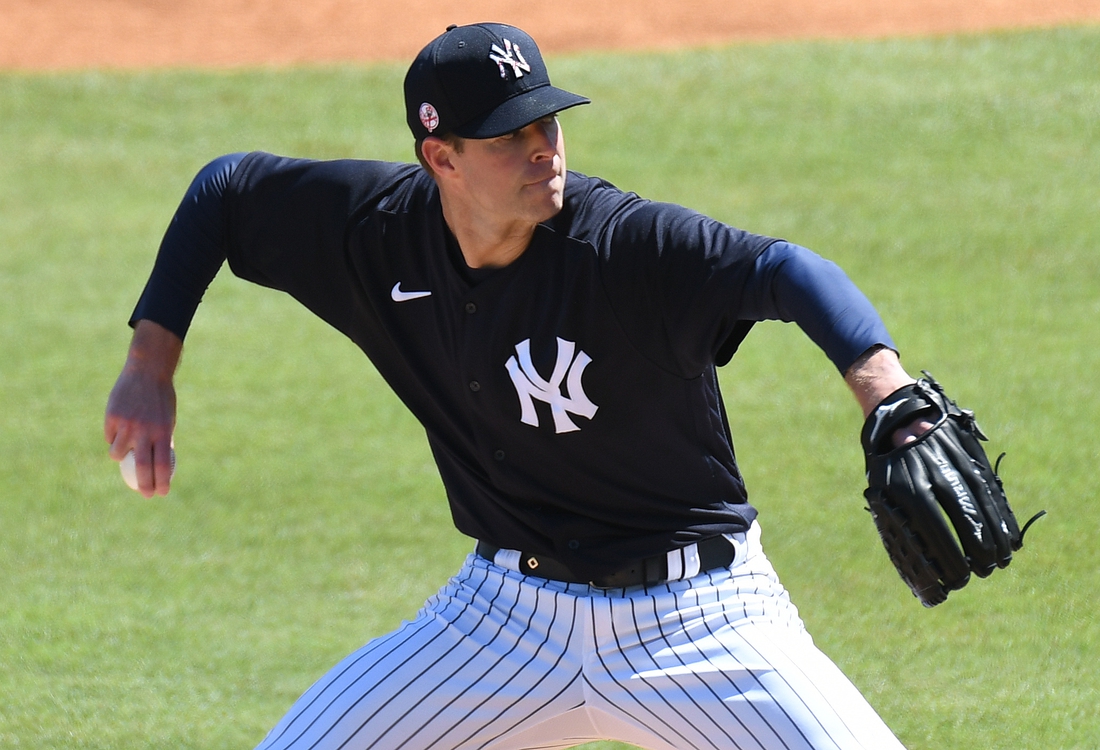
[(129, 469)]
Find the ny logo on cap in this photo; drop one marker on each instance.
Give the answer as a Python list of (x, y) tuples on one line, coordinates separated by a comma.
[(504, 56)]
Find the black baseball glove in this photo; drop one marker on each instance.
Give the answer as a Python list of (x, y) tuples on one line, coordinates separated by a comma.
[(938, 505)]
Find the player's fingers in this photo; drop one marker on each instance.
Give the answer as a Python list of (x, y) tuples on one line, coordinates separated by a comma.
[(120, 432), (144, 471), (154, 464), (121, 440), (163, 467), (912, 432)]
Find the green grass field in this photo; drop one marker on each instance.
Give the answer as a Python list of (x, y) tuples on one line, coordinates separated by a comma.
[(956, 179)]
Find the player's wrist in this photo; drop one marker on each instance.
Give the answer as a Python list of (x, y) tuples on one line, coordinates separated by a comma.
[(154, 352), (875, 376)]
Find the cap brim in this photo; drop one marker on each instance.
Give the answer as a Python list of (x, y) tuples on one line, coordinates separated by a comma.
[(520, 111)]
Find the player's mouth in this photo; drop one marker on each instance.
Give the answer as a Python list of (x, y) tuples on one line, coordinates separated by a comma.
[(548, 181)]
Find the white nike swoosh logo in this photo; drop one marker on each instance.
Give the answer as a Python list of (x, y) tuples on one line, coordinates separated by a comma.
[(399, 296)]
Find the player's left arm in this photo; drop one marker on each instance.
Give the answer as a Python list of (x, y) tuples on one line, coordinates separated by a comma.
[(936, 499)]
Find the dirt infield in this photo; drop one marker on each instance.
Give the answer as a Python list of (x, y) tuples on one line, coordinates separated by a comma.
[(74, 34)]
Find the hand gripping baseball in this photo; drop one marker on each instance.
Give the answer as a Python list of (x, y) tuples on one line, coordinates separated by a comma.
[(939, 507), (141, 409)]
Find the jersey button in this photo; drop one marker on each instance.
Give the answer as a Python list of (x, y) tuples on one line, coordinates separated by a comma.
[(475, 386), (573, 544), (471, 308), (498, 455)]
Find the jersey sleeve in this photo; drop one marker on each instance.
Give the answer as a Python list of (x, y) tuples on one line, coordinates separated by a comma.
[(191, 252), (279, 222), (676, 278), (793, 284), (695, 286), (288, 222)]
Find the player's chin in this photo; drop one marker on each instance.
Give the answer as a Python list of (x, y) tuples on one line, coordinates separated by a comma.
[(548, 209), (547, 197)]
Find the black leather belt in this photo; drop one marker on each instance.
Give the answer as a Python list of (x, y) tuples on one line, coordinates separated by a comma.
[(716, 552)]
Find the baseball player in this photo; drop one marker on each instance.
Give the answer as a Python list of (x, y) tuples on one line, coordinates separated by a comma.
[(558, 339)]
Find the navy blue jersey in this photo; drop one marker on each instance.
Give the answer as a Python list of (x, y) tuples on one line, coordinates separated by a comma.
[(570, 399)]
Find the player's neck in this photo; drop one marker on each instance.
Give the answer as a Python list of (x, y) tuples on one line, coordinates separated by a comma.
[(486, 243)]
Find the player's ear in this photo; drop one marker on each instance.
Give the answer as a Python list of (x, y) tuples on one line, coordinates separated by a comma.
[(437, 155)]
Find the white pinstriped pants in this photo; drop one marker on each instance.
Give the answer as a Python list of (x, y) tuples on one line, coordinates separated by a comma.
[(500, 661)]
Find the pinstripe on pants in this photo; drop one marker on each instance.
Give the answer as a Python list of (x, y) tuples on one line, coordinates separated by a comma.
[(497, 660)]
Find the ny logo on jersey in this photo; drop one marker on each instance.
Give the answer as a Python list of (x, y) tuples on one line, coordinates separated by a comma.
[(530, 386), (504, 56)]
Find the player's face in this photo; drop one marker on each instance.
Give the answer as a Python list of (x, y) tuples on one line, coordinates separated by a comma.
[(519, 176)]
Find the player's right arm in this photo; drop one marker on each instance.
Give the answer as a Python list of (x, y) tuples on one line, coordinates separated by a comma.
[(279, 222), (141, 408)]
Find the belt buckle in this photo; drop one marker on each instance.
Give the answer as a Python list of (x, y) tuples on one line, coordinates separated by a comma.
[(606, 585), (649, 571)]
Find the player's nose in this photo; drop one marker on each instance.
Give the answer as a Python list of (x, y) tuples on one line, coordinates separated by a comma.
[(544, 136)]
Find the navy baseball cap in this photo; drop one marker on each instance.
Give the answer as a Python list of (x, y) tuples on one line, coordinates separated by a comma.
[(480, 81)]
